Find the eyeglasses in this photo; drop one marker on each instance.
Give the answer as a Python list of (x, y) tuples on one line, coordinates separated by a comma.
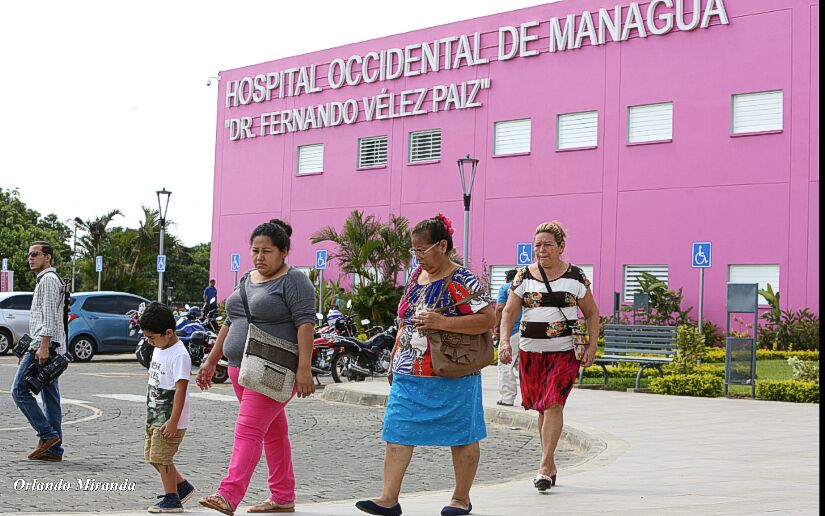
[(34, 254), (416, 253)]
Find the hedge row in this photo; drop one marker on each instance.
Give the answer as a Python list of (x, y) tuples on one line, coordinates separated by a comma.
[(701, 385), (788, 390), (718, 355)]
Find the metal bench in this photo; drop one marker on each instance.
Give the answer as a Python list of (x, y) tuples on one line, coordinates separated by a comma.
[(648, 346)]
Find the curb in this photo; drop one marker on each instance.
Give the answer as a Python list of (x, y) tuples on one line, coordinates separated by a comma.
[(585, 445)]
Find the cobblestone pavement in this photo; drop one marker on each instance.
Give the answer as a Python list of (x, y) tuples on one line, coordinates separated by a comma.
[(337, 448)]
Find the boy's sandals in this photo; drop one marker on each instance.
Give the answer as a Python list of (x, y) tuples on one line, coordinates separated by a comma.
[(270, 506), (218, 503)]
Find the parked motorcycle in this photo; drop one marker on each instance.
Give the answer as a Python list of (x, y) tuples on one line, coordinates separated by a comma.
[(354, 360), (324, 338), (200, 345)]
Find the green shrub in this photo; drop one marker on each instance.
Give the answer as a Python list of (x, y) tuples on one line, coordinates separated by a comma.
[(690, 345), (702, 385), (788, 390), (804, 371), (718, 355), (787, 329), (623, 370)]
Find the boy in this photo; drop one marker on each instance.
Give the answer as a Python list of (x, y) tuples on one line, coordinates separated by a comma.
[(167, 402)]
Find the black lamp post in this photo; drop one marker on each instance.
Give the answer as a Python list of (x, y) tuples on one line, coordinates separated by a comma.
[(467, 192)]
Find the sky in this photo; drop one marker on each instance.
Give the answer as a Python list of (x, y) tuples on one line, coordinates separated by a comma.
[(104, 103)]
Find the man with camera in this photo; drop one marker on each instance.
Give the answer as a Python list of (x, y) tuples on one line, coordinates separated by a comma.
[(48, 335)]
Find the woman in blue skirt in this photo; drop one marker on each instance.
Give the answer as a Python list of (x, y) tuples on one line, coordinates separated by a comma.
[(423, 409)]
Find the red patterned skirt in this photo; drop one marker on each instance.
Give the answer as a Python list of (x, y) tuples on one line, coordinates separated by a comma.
[(546, 378)]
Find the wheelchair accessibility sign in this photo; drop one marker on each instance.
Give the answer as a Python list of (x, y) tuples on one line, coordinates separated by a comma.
[(700, 255), (524, 253), (321, 259), (235, 261)]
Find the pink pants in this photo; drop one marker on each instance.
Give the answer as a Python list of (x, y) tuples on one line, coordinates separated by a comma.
[(261, 424)]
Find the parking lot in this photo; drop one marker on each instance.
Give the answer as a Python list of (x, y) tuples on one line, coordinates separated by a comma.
[(337, 448)]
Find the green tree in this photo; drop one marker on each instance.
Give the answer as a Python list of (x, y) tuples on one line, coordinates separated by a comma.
[(19, 227), (375, 251)]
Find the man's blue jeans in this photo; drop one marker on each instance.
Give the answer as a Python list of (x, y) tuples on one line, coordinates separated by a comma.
[(47, 424)]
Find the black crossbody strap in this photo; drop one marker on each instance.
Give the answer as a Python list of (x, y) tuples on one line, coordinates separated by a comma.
[(550, 291), (245, 300)]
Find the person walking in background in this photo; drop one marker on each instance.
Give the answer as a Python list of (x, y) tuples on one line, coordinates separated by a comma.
[(549, 293), (506, 372), (210, 298), (282, 303), (48, 335), (167, 405), (422, 409)]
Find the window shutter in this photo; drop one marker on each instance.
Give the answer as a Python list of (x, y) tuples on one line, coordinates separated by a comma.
[(512, 137), (372, 152), (650, 123), (497, 277), (425, 145), (577, 130), (757, 112), (310, 158), (632, 274), (764, 275)]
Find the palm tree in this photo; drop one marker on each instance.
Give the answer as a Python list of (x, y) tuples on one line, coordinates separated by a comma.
[(96, 234)]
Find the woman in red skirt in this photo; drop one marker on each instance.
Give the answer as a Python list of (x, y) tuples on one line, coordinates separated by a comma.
[(550, 293)]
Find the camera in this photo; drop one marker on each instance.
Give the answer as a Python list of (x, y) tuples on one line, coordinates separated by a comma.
[(22, 346), (39, 376)]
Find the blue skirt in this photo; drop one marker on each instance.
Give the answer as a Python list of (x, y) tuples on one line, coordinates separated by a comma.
[(434, 411)]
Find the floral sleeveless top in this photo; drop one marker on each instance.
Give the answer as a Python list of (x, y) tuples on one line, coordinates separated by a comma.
[(413, 356)]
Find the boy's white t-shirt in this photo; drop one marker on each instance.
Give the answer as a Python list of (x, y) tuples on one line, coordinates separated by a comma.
[(168, 366)]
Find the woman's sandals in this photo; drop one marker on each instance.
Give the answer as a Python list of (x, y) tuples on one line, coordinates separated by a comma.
[(544, 482), (270, 506)]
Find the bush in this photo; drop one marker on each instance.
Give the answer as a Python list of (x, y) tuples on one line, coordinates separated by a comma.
[(690, 346), (788, 390), (804, 371), (701, 385), (623, 370), (787, 329), (713, 355)]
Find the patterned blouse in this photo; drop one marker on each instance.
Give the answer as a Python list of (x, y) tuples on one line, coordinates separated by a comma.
[(413, 356), (543, 326)]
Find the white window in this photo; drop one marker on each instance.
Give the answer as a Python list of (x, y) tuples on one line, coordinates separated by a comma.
[(303, 268), (425, 145), (757, 112), (764, 275), (577, 130), (310, 159), (511, 137), (650, 123), (632, 273), (497, 277), (373, 271), (372, 152)]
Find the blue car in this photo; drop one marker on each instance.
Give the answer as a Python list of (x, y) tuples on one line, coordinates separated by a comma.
[(98, 323)]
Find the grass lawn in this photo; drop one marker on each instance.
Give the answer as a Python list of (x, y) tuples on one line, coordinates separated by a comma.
[(765, 370)]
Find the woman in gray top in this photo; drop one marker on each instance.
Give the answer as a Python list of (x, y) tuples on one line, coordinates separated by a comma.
[(282, 303)]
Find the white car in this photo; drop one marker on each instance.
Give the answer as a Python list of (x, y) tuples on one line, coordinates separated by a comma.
[(14, 318)]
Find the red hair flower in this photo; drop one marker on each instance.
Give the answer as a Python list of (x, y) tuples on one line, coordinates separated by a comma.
[(447, 224)]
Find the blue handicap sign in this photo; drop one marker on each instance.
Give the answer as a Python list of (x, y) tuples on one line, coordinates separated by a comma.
[(161, 263), (5, 264), (700, 255), (524, 253), (235, 260), (414, 262), (321, 259), (98, 263)]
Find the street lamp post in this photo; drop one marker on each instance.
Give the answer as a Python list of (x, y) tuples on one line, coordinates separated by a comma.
[(77, 222), (163, 209), (467, 192)]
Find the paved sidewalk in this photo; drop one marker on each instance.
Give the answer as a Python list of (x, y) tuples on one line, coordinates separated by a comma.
[(644, 454)]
